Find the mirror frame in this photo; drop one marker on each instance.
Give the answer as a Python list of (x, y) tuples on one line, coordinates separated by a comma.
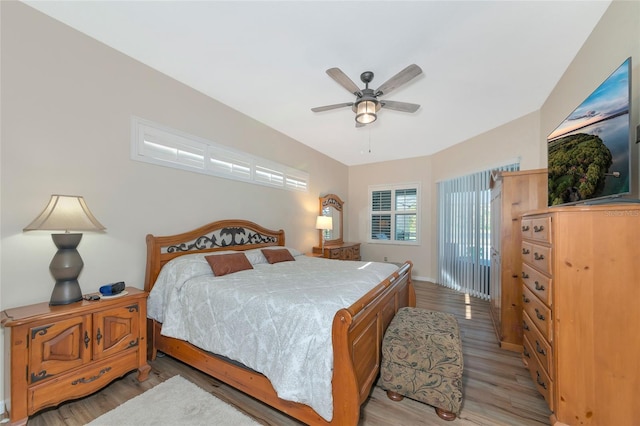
[(332, 200)]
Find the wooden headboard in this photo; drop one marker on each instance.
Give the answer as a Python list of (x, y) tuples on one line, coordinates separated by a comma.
[(233, 234)]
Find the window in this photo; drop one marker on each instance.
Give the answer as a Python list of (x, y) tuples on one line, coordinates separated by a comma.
[(155, 144), (394, 214)]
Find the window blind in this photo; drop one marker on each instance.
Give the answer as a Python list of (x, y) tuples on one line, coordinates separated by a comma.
[(464, 232)]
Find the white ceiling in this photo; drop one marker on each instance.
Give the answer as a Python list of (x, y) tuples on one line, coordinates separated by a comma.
[(484, 63)]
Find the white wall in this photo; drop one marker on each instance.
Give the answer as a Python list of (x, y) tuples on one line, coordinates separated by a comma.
[(67, 102), (417, 169), (515, 140), (616, 37)]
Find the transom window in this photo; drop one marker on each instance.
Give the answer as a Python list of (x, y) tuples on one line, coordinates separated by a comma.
[(156, 144), (394, 213)]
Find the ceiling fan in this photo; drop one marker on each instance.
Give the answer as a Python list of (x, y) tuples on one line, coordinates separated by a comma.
[(367, 104)]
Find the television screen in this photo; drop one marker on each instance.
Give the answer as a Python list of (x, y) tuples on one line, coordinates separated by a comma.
[(589, 152)]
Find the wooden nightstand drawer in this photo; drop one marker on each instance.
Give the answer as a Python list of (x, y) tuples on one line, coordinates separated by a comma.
[(81, 383)]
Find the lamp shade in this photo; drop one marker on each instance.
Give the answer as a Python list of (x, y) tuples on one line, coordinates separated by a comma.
[(324, 222), (65, 213), (366, 112)]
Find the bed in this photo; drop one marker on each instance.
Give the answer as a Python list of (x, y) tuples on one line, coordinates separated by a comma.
[(355, 331)]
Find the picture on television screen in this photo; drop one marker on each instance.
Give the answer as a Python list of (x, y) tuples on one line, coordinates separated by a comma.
[(589, 152)]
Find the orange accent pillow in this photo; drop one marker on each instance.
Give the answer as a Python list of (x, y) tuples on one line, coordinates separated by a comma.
[(223, 264), (277, 255)]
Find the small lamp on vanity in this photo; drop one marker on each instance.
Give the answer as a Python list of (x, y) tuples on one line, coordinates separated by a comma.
[(66, 213), (324, 223)]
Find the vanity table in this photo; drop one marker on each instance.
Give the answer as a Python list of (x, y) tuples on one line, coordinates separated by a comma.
[(334, 245)]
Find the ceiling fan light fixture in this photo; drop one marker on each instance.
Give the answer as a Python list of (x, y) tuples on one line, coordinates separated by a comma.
[(366, 111)]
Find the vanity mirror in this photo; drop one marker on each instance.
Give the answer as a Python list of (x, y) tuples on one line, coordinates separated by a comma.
[(334, 246), (331, 206)]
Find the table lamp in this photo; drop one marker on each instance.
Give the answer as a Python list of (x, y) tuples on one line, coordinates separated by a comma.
[(66, 213), (324, 223)]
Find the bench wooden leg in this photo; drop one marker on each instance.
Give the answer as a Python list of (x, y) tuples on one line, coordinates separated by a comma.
[(445, 415), (394, 396)]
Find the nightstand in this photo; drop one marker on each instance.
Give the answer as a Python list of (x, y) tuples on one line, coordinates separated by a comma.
[(57, 353), (342, 251)]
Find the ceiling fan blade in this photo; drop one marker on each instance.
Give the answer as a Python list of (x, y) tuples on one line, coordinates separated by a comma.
[(399, 79), (400, 106), (344, 81), (328, 107)]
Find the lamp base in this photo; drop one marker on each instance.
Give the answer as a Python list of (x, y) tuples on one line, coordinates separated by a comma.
[(65, 292), (65, 268)]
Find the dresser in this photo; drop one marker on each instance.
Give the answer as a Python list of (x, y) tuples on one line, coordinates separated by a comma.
[(512, 193), (580, 290), (58, 353), (341, 251)]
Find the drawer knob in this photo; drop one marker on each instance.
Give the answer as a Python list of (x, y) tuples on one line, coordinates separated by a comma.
[(525, 299), (525, 352), (525, 275), (526, 251), (538, 228), (539, 287), (537, 256), (539, 315), (86, 340), (525, 325), (539, 349), (525, 228)]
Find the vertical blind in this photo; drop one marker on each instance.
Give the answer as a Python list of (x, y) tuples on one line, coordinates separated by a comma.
[(464, 232)]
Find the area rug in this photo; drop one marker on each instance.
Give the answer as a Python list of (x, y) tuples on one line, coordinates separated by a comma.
[(176, 401)]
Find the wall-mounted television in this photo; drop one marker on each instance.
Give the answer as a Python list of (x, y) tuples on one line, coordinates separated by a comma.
[(589, 153)]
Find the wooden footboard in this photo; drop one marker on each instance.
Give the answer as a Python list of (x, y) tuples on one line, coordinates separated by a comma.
[(357, 335), (357, 338)]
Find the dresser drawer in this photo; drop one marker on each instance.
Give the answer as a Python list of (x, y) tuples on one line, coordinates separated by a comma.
[(355, 252), (526, 227), (539, 346), (541, 258), (539, 313), (540, 378), (538, 283), (335, 253), (541, 229), (527, 250)]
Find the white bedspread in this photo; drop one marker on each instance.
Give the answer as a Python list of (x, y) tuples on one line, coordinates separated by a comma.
[(275, 319)]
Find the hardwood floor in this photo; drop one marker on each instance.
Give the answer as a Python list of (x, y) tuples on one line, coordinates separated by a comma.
[(497, 388)]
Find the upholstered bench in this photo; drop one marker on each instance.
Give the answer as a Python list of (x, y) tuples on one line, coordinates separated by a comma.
[(422, 360)]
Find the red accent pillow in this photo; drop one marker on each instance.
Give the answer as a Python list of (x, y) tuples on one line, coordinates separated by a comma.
[(223, 264), (277, 255)]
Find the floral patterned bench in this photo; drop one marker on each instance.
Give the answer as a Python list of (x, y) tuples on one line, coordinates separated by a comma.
[(422, 360)]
